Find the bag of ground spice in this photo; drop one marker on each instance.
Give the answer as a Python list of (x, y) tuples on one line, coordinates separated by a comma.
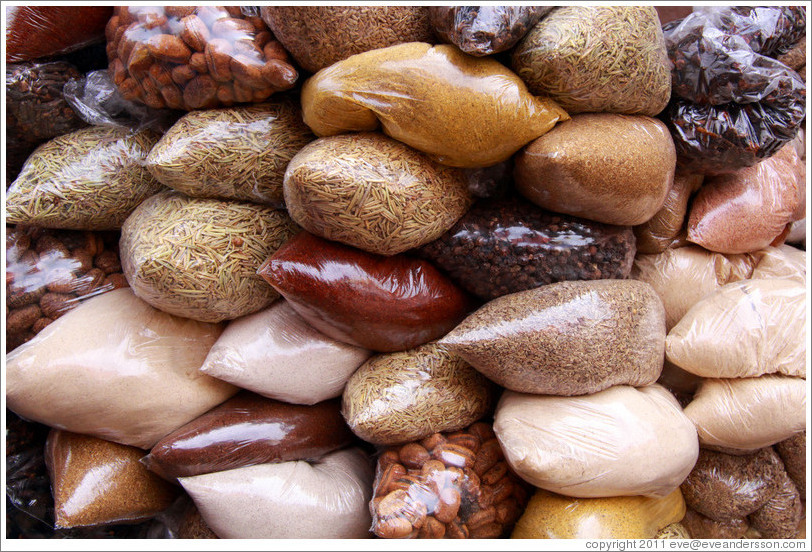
[(373, 192), (96, 482), (461, 110), (743, 330), (683, 276), (552, 516), (747, 210), (194, 57), (198, 258), (40, 31), (784, 261), (49, 272), (90, 179), (114, 349), (675, 531), (277, 354), (580, 168), (701, 527), (234, 153), (448, 485), (793, 453), (482, 251), (247, 430), (622, 441), (484, 30), (597, 59), (318, 36), (567, 338), (724, 487), (325, 499), (399, 397), (662, 230), (780, 516), (385, 304), (746, 414)]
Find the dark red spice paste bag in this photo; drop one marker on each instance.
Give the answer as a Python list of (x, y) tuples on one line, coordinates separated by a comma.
[(246, 430), (386, 304)]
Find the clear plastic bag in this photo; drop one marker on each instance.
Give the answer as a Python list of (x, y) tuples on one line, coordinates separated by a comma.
[(385, 304), (461, 110), (194, 57), (701, 527), (552, 516), (780, 262), (733, 106), (89, 179), (485, 30), (623, 441), (567, 338), (114, 349), (325, 499), (751, 208), (277, 354), (399, 397), (49, 272), (748, 413), (780, 516), (743, 330), (662, 230), (448, 485), (793, 453), (39, 31), (482, 250), (247, 430), (96, 482)]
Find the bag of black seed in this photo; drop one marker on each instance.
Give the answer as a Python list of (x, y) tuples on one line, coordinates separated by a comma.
[(505, 246)]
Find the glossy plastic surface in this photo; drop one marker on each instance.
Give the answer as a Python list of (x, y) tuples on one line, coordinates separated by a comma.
[(482, 250), (793, 453), (748, 413), (484, 30), (247, 430), (463, 111), (117, 369), (780, 516), (663, 229), (277, 354), (325, 499), (567, 338), (702, 527), (623, 441), (39, 31), (743, 330), (384, 304)]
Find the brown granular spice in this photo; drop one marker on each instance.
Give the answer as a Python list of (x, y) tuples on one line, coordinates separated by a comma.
[(779, 517), (793, 453), (702, 527)]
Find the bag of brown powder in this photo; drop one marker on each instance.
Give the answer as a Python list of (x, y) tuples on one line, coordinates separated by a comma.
[(748, 413), (96, 482), (661, 230), (780, 516), (117, 369), (325, 499), (702, 527), (743, 330), (461, 110), (277, 354), (620, 442), (793, 453)]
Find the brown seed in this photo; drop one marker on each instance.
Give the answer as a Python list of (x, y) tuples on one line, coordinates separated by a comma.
[(432, 529), (257, 22), (179, 12), (454, 455), (507, 511), (413, 455), (448, 506), (262, 38), (387, 458), (125, 47), (393, 504), (115, 281), (432, 441), (495, 473), (242, 93), (194, 32), (129, 89), (168, 48), (457, 530), (198, 63), (489, 454), (17, 299), (279, 74), (247, 70), (483, 431), (160, 75), (183, 73), (431, 466), (389, 475), (218, 59), (40, 324), (502, 490), (93, 279), (482, 517), (110, 28), (393, 528), (275, 50), (491, 530), (234, 11), (22, 319), (200, 92), (54, 305), (83, 261), (464, 439), (406, 482), (232, 29), (118, 71)]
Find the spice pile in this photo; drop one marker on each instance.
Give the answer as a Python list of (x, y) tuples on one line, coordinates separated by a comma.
[(406, 272)]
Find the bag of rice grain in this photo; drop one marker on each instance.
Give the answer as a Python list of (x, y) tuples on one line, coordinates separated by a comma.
[(198, 258)]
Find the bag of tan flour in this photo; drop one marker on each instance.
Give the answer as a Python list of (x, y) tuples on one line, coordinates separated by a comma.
[(115, 368), (784, 261)]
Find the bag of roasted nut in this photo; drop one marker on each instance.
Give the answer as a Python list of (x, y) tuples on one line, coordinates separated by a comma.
[(194, 57), (448, 485)]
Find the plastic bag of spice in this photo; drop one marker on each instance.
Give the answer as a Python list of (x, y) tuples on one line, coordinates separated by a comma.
[(327, 499), (662, 230), (247, 430), (597, 59), (780, 516), (232, 153), (89, 179), (399, 397), (277, 354), (448, 485), (622, 441), (385, 304), (793, 453), (39, 31), (114, 349), (702, 527), (318, 36), (198, 258), (49, 272), (461, 110), (484, 30), (733, 106), (194, 57), (482, 250), (552, 516), (567, 338)]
